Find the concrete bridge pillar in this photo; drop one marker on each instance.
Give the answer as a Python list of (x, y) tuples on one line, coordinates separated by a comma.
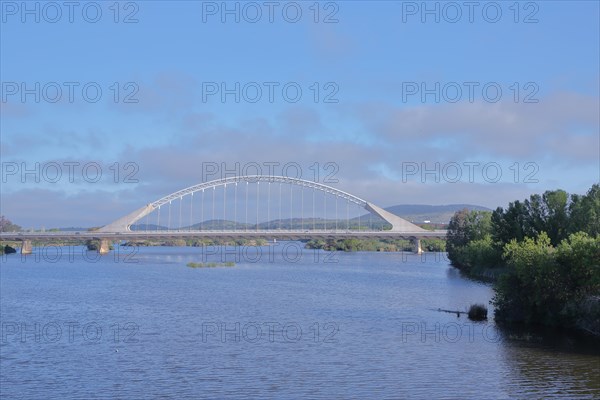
[(417, 246), (26, 247), (104, 247)]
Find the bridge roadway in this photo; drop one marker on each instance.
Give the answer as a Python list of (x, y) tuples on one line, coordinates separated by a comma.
[(224, 234), (105, 238)]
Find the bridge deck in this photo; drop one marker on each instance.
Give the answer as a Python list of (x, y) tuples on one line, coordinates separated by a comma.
[(272, 234)]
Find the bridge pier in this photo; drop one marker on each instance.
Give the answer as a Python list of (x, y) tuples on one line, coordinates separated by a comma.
[(104, 247), (417, 246), (26, 247)]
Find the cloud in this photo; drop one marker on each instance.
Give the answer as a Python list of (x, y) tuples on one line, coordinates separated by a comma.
[(367, 144), (504, 129), (54, 208)]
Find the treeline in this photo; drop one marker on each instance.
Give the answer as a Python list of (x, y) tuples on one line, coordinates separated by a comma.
[(545, 252), (197, 242), (7, 249), (7, 226), (352, 244)]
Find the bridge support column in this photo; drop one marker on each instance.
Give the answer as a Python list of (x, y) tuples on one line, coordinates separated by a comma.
[(26, 247), (417, 246), (104, 247)]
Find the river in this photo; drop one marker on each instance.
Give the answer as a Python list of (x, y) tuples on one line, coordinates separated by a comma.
[(284, 322)]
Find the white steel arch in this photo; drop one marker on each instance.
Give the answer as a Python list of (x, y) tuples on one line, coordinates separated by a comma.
[(255, 179), (123, 224)]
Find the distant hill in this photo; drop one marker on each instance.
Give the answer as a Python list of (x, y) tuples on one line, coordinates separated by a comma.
[(72, 229), (416, 213), (436, 214)]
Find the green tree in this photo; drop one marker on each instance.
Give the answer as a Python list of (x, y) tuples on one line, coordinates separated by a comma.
[(535, 216), (465, 227), (7, 226), (550, 248), (550, 285), (510, 224), (528, 292), (546, 213), (585, 212), (481, 253), (579, 259), (556, 224)]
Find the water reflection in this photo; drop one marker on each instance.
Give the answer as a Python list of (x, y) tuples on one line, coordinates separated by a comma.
[(550, 364)]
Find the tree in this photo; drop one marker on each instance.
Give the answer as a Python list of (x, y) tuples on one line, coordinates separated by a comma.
[(510, 224), (550, 247), (546, 213), (579, 258), (536, 215), (466, 226), (7, 226), (584, 212), (481, 253), (549, 285), (556, 224), (528, 292)]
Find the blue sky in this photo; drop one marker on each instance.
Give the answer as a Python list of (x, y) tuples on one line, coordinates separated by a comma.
[(365, 62)]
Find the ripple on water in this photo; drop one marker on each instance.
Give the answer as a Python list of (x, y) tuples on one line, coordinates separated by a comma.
[(354, 341)]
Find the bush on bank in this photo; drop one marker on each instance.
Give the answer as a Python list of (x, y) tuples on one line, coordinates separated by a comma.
[(546, 252), (552, 286), (477, 312), (374, 244)]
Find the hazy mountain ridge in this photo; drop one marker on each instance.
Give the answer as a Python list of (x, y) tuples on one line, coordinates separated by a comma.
[(417, 213), (436, 214)]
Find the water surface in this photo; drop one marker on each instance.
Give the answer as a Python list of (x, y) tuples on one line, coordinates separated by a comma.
[(283, 323)]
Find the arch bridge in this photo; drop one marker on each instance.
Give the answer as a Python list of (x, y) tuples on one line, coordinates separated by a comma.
[(124, 223), (235, 221)]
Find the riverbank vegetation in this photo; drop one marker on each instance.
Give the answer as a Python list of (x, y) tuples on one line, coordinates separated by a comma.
[(7, 249), (196, 242), (477, 312), (7, 226), (544, 254), (94, 245), (210, 264), (374, 244)]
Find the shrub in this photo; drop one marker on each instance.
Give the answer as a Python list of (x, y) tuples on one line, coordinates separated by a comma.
[(477, 312)]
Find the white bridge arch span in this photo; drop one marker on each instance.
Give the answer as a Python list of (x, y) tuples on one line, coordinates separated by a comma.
[(124, 223)]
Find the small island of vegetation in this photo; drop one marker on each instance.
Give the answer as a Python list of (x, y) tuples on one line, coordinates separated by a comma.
[(210, 264)]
